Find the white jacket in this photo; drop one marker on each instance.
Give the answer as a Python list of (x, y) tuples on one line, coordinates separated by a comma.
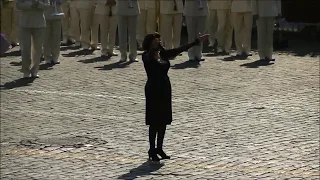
[(241, 6), (103, 9), (220, 4), (123, 9), (147, 4), (191, 8), (167, 7), (266, 8)]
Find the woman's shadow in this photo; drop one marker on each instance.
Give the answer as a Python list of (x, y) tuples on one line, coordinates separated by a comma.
[(143, 170), (17, 83)]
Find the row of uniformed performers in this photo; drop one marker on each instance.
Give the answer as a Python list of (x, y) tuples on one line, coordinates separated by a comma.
[(137, 18)]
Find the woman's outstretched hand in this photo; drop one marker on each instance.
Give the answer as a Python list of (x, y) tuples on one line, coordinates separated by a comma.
[(203, 37)]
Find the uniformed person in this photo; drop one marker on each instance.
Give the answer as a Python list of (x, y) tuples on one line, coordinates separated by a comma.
[(9, 21), (66, 22), (212, 23), (147, 20), (242, 23), (105, 15), (265, 12), (86, 12), (51, 44), (171, 12), (32, 25), (196, 13), (75, 22), (224, 33), (127, 12)]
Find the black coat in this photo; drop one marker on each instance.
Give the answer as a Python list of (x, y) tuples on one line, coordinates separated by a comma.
[(158, 86)]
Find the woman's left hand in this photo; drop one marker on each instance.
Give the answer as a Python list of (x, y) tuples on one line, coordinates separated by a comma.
[(203, 37)]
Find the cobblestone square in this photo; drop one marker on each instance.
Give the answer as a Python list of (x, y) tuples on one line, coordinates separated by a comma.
[(233, 119)]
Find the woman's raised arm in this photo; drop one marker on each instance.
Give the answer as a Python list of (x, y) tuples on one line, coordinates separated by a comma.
[(172, 53)]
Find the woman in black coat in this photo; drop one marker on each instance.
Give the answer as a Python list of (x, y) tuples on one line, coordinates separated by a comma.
[(158, 89)]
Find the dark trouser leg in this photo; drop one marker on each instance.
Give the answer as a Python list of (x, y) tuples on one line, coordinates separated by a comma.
[(161, 133), (152, 136)]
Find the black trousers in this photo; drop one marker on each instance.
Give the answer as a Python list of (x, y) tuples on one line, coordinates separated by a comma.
[(159, 132)]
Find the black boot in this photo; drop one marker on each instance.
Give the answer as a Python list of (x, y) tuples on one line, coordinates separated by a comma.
[(153, 156), (162, 154)]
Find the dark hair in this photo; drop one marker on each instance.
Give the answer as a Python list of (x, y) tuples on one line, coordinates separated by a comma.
[(146, 45)]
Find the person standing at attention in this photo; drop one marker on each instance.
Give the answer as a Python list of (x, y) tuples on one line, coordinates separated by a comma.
[(9, 18), (32, 26), (171, 12), (147, 20), (158, 89), (105, 15), (196, 13), (224, 32), (66, 21), (51, 45), (242, 23), (212, 24), (86, 10), (264, 13), (75, 23), (127, 12)]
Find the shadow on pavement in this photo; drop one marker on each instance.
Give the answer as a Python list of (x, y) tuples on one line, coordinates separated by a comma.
[(46, 66), (186, 64), (143, 170), (212, 54), (257, 64), (95, 59), (115, 65), (12, 53), (18, 83), (16, 63), (82, 52), (65, 48), (233, 58)]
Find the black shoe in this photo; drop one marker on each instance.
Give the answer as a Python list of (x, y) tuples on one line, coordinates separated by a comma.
[(199, 59), (247, 54), (270, 59), (153, 156), (265, 61), (162, 154)]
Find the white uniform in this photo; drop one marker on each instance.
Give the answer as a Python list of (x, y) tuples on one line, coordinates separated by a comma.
[(242, 23), (106, 16), (212, 23), (147, 20), (266, 11), (127, 12), (171, 12), (74, 21), (66, 29), (32, 25), (196, 13), (86, 11), (9, 21), (224, 33), (51, 44)]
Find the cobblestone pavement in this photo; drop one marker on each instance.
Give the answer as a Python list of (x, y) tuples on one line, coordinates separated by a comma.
[(233, 119)]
